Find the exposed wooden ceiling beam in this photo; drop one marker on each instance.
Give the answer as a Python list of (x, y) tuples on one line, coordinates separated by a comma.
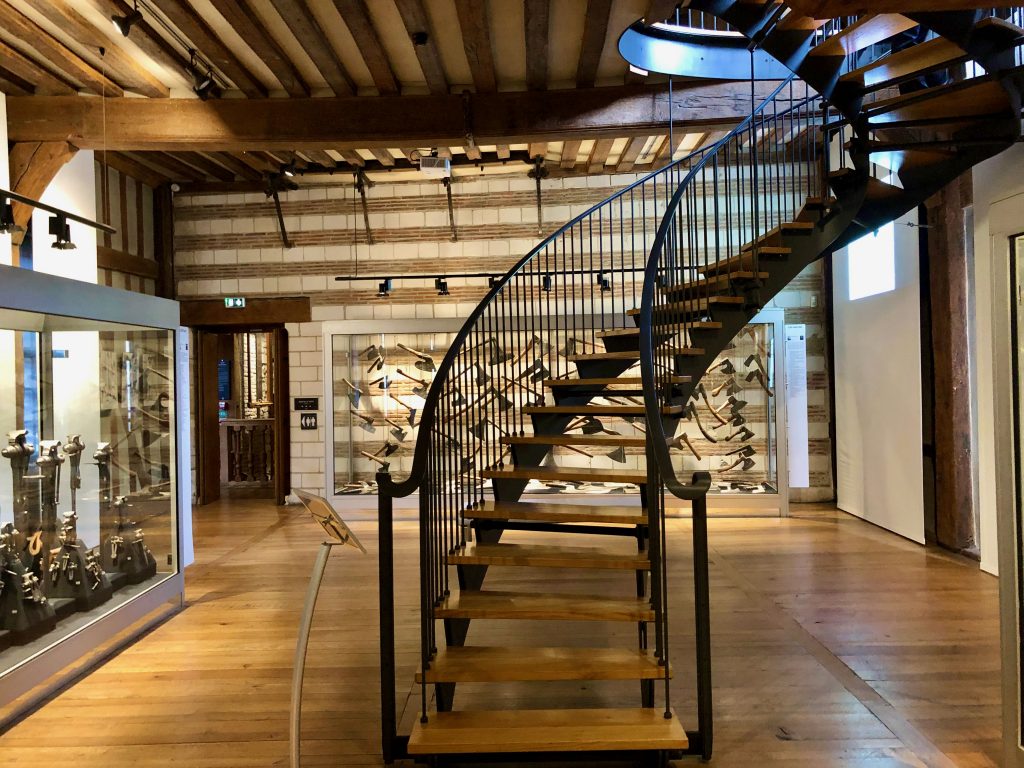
[(535, 23), (473, 152), (11, 85), (236, 167), (119, 65), (506, 118), (26, 71), (146, 38), (320, 157), (570, 150), (204, 164), (32, 168), (57, 54), (313, 40), (537, 148), (503, 151), (476, 39), (352, 157), (383, 156), (168, 165), (416, 21), (595, 30), (239, 14), (357, 18), (255, 160), (129, 167), (210, 47), (629, 155), (599, 155)]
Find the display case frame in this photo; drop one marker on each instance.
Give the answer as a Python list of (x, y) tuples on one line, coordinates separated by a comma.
[(32, 301), (748, 504)]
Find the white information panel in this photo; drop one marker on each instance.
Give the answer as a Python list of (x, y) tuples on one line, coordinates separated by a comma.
[(796, 405)]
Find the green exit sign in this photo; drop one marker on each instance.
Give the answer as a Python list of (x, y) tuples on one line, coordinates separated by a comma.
[(234, 302)]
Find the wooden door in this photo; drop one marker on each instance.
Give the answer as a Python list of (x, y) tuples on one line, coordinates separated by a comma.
[(207, 426), (282, 432)]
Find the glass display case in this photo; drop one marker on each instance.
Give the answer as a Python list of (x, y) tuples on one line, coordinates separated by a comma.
[(89, 502), (732, 427)]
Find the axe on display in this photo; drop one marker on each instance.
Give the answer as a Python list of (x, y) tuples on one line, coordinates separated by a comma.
[(760, 377), (703, 393), (726, 365), (482, 377), (756, 359), (733, 403), (691, 412), (372, 352), (683, 441), (422, 386), (746, 451), (536, 370), (398, 431), (743, 433), (504, 403), (729, 385), (424, 363), (387, 449), (376, 365), (374, 457), (618, 455), (381, 382), (354, 392), (409, 408), (737, 420), (498, 355), (366, 421)]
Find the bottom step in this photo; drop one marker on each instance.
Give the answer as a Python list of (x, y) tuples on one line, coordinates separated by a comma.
[(547, 730)]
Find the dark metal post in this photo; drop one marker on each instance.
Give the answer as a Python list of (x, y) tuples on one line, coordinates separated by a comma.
[(386, 583), (702, 619)]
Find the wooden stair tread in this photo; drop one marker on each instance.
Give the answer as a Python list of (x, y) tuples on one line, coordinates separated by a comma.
[(863, 33), (626, 381), (558, 513), (906, 158), (717, 280), (745, 260), (916, 59), (693, 305), (596, 410), (776, 232), (480, 664), (634, 354), (604, 441), (549, 556), (547, 730), (947, 102), (576, 474), (487, 604)]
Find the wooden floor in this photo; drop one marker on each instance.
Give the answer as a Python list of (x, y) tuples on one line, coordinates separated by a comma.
[(836, 644)]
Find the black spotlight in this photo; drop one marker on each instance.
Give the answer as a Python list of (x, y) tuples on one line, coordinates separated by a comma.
[(384, 289), (289, 170), (604, 282), (492, 281), (441, 286), (546, 283), (124, 24), (61, 231), (204, 84), (7, 225)]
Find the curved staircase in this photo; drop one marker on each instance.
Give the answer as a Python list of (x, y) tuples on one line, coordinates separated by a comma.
[(619, 314)]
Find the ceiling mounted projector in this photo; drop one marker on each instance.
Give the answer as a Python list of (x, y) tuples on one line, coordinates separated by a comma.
[(436, 167)]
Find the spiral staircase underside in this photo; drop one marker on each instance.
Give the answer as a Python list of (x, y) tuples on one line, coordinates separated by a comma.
[(907, 134)]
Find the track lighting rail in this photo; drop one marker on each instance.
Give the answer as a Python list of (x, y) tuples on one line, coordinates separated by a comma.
[(6, 194)]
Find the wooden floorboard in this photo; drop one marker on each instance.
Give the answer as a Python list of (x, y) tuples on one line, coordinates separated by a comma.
[(835, 644)]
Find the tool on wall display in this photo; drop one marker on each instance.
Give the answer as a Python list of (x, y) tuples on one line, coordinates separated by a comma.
[(74, 574), (25, 611), (19, 451), (73, 448), (124, 554), (729, 407)]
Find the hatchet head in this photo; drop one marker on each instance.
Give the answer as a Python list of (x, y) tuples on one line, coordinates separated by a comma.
[(618, 455), (592, 426), (376, 365), (756, 359), (482, 376), (498, 355), (384, 383), (737, 420), (479, 429), (540, 373), (353, 397), (569, 349), (370, 352), (748, 464), (736, 405), (412, 418), (727, 367), (399, 434), (388, 448), (733, 388), (426, 364), (457, 397), (420, 390), (503, 402)]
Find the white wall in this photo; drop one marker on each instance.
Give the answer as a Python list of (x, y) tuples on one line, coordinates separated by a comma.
[(998, 213), (878, 394), (72, 189)]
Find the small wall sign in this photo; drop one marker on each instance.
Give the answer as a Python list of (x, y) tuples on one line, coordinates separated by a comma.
[(307, 421), (234, 302), (307, 404)]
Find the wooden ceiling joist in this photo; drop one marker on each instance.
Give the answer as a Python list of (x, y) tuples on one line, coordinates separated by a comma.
[(146, 38), (599, 155), (476, 40), (311, 37), (240, 15), (274, 124), (57, 55), (129, 167), (236, 167), (185, 18), (357, 18), (115, 61), (502, 151), (353, 158), (417, 23), (628, 158), (537, 149), (168, 165), (383, 156), (30, 75), (207, 166), (570, 151), (595, 31), (473, 153), (535, 23), (320, 157)]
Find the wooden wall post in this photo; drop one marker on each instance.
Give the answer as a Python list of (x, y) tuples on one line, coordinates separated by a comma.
[(948, 284)]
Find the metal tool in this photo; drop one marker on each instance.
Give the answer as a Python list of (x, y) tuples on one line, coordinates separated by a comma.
[(759, 377), (354, 392), (398, 431), (73, 448), (366, 421), (425, 361)]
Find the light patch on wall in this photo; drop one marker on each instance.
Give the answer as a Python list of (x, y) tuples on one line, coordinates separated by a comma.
[(872, 263)]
